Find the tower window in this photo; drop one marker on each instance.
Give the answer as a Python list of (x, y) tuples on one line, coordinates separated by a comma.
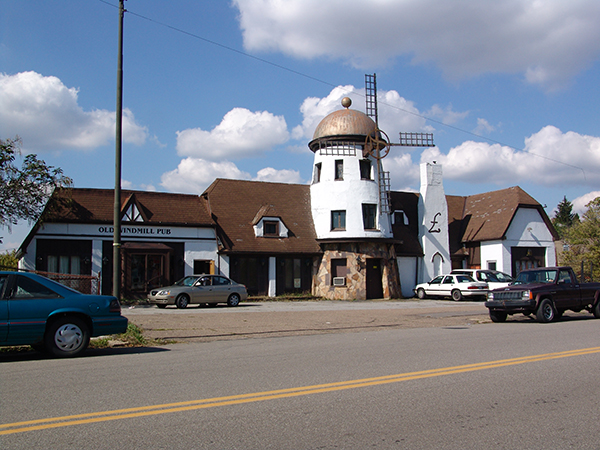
[(317, 173), (339, 169), (369, 216), (338, 220), (365, 169)]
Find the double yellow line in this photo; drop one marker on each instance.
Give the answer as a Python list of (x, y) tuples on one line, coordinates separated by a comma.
[(167, 408)]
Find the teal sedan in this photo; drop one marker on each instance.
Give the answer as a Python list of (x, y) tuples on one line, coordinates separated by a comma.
[(49, 316)]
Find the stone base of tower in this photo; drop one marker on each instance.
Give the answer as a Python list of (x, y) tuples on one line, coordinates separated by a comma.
[(369, 270)]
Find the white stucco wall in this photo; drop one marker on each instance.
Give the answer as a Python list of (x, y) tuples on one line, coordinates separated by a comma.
[(496, 251), (407, 268), (348, 195), (529, 230), (199, 243), (433, 219)]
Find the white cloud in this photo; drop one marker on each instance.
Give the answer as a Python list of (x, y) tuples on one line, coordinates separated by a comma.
[(446, 115), (395, 112), (194, 175), (547, 42), (241, 134), (579, 204), (278, 176), (45, 113), (551, 158), (403, 173), (483, 126)]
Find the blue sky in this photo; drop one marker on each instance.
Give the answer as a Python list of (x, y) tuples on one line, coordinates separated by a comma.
[(235, 89)]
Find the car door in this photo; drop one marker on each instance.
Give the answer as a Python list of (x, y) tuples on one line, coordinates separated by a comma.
[(221, 288), (567, 293), (433, 287), (447, 285), (29, 305), (201, 291)]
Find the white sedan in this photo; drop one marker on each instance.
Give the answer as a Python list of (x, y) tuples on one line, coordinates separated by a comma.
[(454, 286)]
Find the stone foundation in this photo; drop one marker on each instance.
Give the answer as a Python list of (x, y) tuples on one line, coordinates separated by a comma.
[(356, 255)]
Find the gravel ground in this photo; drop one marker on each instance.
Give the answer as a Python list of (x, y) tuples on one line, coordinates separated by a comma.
[(287, 318)]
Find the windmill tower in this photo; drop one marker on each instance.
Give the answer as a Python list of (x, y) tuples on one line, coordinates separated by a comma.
[(433, 209)]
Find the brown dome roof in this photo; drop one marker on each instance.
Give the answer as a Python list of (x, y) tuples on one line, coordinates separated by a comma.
[(345, 122)]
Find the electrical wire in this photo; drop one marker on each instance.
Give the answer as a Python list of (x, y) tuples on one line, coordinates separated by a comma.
[(326, 83)]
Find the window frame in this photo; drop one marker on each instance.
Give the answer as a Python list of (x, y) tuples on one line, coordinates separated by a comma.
[(369, 212), (339, 170), (366, 169), (270, 223), (340, 223)]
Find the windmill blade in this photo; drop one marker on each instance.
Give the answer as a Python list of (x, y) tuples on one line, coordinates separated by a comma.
[(415, 140), (371, 97)]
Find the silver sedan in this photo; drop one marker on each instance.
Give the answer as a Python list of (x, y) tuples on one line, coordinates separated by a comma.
[(199, 289)]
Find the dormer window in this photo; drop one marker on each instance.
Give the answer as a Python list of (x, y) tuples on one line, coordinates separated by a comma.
[(399, 218), (132, 214), (270, 227)]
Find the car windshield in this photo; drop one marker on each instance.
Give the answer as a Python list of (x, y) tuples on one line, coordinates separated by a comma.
[(187, 281), (536, 276), (504, 278)]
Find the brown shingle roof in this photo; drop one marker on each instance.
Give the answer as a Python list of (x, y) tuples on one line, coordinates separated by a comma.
[(97, 206), (237, 205), (487, 216)]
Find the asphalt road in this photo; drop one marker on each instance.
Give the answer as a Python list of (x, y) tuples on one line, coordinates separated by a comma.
[(518, 385)]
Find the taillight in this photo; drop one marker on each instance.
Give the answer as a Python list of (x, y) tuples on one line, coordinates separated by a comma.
[(114, 306)]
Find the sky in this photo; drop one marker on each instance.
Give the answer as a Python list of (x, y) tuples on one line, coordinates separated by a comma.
[(234, 89)]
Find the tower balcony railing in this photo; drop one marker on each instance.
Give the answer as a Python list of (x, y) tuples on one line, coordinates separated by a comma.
[(337, 148)]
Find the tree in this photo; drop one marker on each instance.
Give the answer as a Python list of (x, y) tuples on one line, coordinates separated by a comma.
[(564, 217), (25, 191), (582, 242), (9, 260)]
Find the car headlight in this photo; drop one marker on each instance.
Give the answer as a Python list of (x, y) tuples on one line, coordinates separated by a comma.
[(490, 296), (163, 292), (527, 295)]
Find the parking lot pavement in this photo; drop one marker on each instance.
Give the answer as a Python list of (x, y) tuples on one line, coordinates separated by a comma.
[(288, 318)]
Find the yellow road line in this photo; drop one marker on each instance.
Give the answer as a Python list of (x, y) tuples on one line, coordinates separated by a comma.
[(167, 408)]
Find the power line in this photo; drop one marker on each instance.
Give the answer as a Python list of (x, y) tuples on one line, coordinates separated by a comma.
[(318, 80)]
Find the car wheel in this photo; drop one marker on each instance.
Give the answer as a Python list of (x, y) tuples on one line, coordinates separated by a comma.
[(596, 310), (233, 300), (67, 336), (421, 294), (545, 312), (161, 306), (182, 301), (457, 295), (498, 316)]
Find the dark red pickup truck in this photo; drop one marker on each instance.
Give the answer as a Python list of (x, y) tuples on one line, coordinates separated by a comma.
[(546, 292)]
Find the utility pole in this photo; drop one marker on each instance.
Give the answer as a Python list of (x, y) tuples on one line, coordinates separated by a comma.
[(119, 124)]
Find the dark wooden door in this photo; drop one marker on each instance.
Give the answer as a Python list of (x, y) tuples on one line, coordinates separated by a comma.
[(374, 284)]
